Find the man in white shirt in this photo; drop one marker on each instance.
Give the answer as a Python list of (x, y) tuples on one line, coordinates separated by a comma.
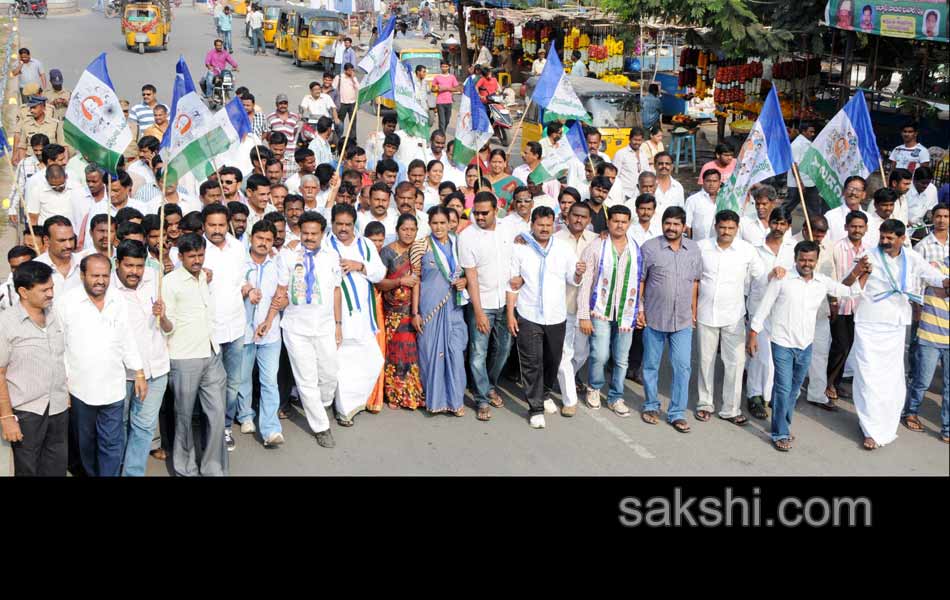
[(880, 327), (537, 65), (920, 198), (669, 192), (258, 199), (519, 215), (576, 345), (268, 277), (813, 200), (727, 264), (316, 104), (359, 356), (844, 254), (885, 201), (226, 258), (141, 170), (16, 256), (60, 254), (195, 360), (406, 195), (136, 285), (701, 207), (754, 229), (630, 162), (546, 266), (776, 250), (312, 323), (644, 228), (380, 199), (95, 201), (57, 196), (485, 249), (911, 154), (25, 170), (376, 140), (854, 194), (791, 304), (100, 347)]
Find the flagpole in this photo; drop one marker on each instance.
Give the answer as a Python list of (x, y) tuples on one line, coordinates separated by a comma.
[(346, 139), (221, 187), (109, 213), (379, 121), (13, 192), (161, 242), (514, 133), (801, 195), (880, 163)]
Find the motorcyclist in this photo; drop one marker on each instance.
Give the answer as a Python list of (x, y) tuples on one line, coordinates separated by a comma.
[(487, 85), (216, 60)]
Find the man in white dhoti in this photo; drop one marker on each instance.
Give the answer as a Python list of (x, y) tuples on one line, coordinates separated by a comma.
[(776, 250), (880, 327), (359, 357)]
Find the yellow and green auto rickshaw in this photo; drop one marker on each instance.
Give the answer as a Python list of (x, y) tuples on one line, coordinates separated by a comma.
[(314, 35), (271, 16), (146, 25), (286, 22), (415, 52), (238, 7), (613, 110)]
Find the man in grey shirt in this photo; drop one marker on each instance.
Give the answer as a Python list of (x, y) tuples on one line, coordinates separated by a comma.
[(672, 268), (33, 394), (28, 70)]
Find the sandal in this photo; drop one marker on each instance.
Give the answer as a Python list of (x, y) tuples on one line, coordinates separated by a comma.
[(484, 413), (945, 439), (783, 445), (757, 409), (681, 425), (739, 420), (913, 423), (650, 417), (460, 412), (831, 393), (159, 454), (703, 415), (495, 400), (870, 444), (344, 422)]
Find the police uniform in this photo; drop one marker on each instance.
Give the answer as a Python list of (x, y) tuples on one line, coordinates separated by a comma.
[(57, 111), (52, 128)]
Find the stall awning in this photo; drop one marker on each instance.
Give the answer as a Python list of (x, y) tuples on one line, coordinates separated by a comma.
[(918, 19)]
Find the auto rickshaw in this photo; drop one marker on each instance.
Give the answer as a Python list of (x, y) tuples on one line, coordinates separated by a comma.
[(414, 52), (315, 31), (613, 110), (286, 22), (146, 24), (271, 16), (238, 7)]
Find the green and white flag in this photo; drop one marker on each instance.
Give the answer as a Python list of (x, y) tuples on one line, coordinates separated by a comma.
[(550, 168), (378, 63), (473, 129), (413, 117), (194, 136), (845, 147), (95, 125), (555, 94)]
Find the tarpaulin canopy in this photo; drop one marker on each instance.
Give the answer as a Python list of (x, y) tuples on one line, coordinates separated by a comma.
[(916, 19)]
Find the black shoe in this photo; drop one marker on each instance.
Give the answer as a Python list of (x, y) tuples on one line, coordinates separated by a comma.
[(325, 439), (634, 376)]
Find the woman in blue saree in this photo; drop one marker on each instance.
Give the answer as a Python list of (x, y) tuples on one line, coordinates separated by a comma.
[(437, 303)]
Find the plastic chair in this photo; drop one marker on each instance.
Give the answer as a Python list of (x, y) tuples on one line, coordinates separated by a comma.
[(504, 78), (684, 150)]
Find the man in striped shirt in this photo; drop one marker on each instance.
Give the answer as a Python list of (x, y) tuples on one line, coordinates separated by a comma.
[(143, 115), (283, 120), (933, 333)]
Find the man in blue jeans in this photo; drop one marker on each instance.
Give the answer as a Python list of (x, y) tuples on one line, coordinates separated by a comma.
[(672, 268), (933, 345), (224, 27), (136, 285), (262, 336), (485, 254), (226, 258), (607, 307), (791, 304)]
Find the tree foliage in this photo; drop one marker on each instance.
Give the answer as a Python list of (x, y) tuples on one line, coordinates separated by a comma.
[(736, 27)]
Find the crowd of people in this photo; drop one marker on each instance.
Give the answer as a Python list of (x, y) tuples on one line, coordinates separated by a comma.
[(146, 319)]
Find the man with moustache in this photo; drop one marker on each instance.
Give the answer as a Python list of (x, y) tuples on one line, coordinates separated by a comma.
[(137, 287), (100, 348), (196, 370), (60, 255)]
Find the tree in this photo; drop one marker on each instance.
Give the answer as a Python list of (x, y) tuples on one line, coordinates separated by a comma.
[(738, 28)]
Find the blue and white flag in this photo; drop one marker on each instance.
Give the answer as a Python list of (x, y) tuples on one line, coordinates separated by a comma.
[(473, 129), (846, 146), (555, 94), (577, 140), (765, 153)]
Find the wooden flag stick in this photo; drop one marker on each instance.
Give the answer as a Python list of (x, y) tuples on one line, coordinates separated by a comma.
[(379, 121), (346, 139), (801, 196), (161, 242), (880, 163), (514, 132), (109, 213)]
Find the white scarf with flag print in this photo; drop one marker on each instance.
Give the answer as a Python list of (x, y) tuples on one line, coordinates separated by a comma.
[(442, 263), (609, 278), (350, 291)]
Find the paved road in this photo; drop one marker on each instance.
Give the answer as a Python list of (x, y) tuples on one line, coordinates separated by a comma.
[(405, 443)]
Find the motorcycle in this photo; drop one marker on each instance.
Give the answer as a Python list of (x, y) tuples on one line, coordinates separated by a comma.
[(37, 8), (112, 8), (499, 116), (222, 88)]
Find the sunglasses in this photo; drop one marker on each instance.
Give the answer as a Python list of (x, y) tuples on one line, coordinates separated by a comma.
[(58, 188), (481, 213)]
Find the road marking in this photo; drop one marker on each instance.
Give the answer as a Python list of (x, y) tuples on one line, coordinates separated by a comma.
[(618, 433)]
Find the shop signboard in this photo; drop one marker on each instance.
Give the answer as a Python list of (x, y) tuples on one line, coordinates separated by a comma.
[(917, 19)]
